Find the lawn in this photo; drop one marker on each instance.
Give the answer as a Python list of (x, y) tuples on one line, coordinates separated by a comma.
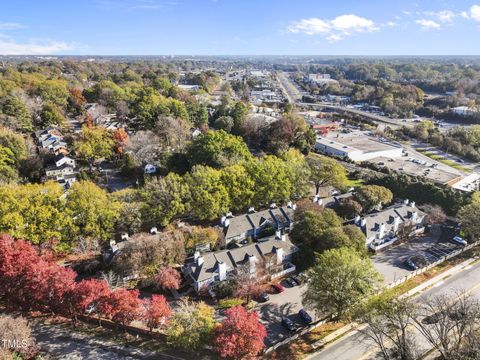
[(442, 159)]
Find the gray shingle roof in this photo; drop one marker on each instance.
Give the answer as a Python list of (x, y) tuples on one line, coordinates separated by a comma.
[(235, 257)]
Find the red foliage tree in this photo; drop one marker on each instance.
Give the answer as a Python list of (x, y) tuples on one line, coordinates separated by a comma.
[(85, 294), (157, 312), (167, 278), (120, 137), (240, 336), (124, 306)]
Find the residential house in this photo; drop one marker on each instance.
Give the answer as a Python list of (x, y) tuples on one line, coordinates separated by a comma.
[(62, 159), (240, 227), (272, 255), (383, 228)]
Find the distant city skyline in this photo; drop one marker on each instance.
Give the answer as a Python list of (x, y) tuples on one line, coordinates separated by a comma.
[(247, 27)]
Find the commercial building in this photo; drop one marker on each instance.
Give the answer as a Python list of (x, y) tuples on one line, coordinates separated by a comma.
[(357, 146)]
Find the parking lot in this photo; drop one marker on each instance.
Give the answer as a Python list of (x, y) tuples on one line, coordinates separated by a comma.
[(434, 246), (285, 304)]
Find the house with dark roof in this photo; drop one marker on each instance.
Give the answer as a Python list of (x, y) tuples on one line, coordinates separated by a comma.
[(382, 228), (240, 227), (272, 254)]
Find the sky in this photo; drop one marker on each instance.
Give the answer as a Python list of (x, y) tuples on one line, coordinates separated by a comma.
[(239, 27)]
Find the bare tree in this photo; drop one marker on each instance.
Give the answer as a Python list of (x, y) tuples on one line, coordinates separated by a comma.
[(447, 323), (249, 280), (389, 326), (435, 214)]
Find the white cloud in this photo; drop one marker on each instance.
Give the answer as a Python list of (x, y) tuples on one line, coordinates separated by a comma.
[(428, 24), (475, 12), (335, 29), (444, 16), (391, 24), (8, 46), (10, 26)]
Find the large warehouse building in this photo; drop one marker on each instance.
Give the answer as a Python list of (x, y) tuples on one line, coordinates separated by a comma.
[(357, 145)]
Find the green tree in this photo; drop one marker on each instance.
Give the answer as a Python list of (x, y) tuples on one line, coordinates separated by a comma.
[(318, 230), (18, 112), (165, 199), (240, 186), (217, 149), (224, 123), (325, 171), (239, 115), (298, 172), (340, 280), (95, 143), (16, 143), (54, 91), (468, 216), (7, 163), (51, 115), (35, 212), (94, 212), (373, 197), (272, 180), (191, 326), (208, 193)]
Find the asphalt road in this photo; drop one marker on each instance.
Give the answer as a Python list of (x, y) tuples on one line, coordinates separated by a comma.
[(355, 346)]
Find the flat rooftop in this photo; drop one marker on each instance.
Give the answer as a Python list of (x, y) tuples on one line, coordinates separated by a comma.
[(403, 165), (357, 140)]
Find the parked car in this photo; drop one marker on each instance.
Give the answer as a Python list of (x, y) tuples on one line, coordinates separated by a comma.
[(459, 240), (263, 297), (416, 262), (305, 316), (278, 288), (288, 324), (291, 282), (298, 279), (432, 319)]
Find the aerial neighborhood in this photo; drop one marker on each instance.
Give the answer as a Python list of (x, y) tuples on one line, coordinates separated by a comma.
[(237, 206)]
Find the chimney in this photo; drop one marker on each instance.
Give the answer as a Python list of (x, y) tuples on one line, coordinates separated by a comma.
[(199, 260), (406, 201), (363, 222), (196, 255), (357, 219), (294, 206), (251, 210), (251, 261), (153, 231), (289, 204), (229, 214), (222, 271), (412, 204), (381, 231), (226, 223), (273, 206), (396, 223), (320, 202), (315, 198), (414, 216), (278, 234), (124, 236), (222, 220), (279, 252)]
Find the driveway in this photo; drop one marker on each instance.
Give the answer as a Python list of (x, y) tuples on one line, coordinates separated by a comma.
[(433, 246), (286, 304)]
